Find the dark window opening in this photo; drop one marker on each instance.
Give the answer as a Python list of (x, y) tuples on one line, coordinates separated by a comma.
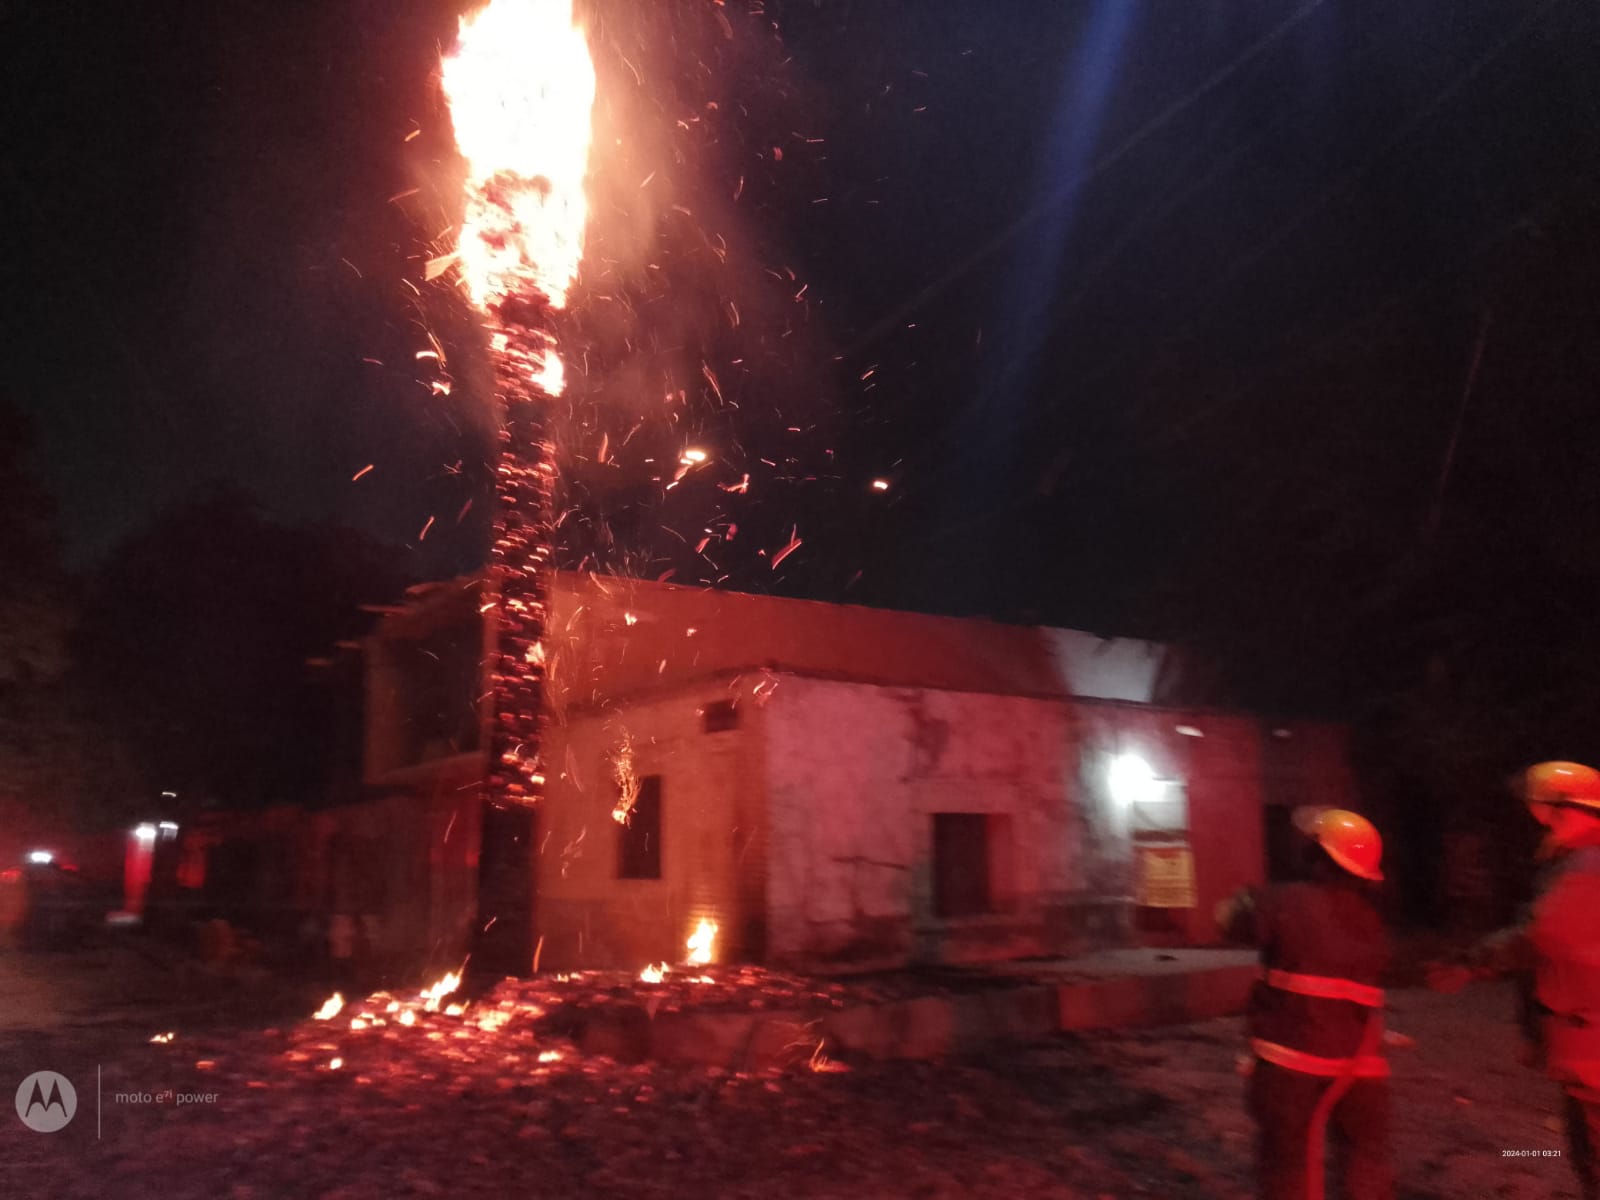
[(639, 839), (720, 716), (438, 694), (1284, 845), (971, 864)]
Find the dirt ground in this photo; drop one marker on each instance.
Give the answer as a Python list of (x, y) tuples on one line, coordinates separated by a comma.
[(489, 1103)]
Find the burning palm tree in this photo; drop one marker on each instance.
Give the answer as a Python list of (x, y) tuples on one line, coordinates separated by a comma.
[(521, 85)]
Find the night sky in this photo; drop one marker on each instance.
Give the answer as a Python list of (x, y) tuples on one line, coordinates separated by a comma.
[(1071, 276)]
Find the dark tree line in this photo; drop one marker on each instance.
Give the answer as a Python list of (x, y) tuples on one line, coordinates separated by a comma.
[(179, 663), (1374, 528)]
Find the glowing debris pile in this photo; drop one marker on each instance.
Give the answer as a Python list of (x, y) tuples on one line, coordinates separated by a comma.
[(530, 1042), (522, 1031), (528, 1028)]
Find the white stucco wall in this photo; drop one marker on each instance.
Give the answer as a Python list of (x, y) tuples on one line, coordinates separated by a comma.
[(855, 773)]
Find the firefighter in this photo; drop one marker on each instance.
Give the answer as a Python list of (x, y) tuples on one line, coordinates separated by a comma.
[(1558, 941), (1316, 1015)]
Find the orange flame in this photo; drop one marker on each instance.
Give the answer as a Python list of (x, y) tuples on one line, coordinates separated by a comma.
[(520, 83), (702, 942), (430, 998)]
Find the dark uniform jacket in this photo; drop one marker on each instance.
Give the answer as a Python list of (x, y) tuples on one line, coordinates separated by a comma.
[(1559, 940), (1326, 929)]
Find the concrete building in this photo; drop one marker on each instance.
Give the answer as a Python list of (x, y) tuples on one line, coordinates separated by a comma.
[(832, 785)]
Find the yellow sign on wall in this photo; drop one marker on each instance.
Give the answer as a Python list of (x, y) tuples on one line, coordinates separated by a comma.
[(1165, 876)]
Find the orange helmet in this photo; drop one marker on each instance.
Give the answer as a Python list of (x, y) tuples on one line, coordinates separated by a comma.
[(1565, 783), (1350, 840)]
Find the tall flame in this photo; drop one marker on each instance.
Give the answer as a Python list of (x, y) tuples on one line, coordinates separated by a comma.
[(521, 85)]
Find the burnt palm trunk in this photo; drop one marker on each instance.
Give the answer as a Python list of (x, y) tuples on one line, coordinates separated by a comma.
[(518, 609)]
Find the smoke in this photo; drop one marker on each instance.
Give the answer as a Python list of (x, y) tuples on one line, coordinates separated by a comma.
[(686, 333), (690, 327)]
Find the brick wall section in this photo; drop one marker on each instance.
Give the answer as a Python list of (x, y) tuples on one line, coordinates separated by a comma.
[(712, 843)]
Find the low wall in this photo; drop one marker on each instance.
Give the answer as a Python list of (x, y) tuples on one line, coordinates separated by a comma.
[(934, 1026)]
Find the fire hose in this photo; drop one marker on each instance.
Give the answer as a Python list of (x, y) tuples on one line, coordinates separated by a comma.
[(1317, 1127), (1343, 1072)]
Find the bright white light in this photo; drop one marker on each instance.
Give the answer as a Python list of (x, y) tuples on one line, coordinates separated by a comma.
[(172, 826), (1131, 780), (693, 458), (880, 485), (145, 833), (41, 857), (1189, 731)]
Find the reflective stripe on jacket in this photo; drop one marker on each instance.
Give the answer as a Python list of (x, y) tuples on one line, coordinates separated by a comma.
[(1319, 938), (1361, 1066)]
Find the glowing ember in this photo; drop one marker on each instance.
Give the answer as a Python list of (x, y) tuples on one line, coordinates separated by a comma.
[(335, 1063), (161, 1039), (822, 1064), (702, 942), (408, 1017), (431, 997), (693, 457), (330, 1008), (654, 973), (622, 773), (880, 485), (521, 85), (795, 542), (549, 1056)]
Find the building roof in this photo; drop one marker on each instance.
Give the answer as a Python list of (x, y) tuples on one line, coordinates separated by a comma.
[(679, 631), (612, 637)]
